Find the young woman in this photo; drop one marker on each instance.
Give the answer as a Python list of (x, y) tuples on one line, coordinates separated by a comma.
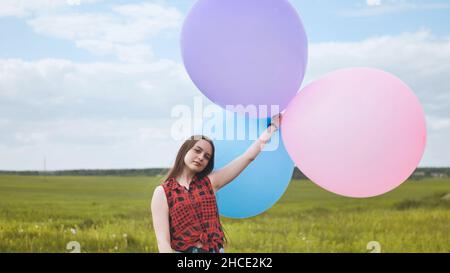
[(184, 209)]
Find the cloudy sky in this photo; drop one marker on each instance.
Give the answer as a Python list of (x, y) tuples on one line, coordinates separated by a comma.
[(91, 83)]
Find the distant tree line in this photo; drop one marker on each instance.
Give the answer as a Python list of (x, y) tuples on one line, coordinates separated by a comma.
[(419, 173), (94, 172)]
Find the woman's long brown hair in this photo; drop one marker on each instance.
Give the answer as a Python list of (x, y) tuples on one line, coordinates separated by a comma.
[(178, 166)]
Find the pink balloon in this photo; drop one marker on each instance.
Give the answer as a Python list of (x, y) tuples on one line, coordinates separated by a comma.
[(357, 132)]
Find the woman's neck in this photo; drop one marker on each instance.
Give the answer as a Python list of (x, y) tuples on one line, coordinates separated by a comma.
[(186, 177)]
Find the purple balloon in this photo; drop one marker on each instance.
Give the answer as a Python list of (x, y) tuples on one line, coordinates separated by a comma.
[(248, 52)]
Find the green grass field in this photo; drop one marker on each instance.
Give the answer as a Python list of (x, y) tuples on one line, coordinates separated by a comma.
[(111, 214)]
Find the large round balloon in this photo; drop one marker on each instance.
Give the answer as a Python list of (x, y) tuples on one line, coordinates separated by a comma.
[(264, 181), (251, 52), (357, 132)]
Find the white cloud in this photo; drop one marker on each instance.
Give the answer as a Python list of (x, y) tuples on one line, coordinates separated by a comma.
[(418, 58), (25, 8), (125, 53), (438, 123), (421, 60), (127, 24), (125, 31), (105, 115), (378, 7), (85, 143), (373, 2), (89, 115), (50, 88)]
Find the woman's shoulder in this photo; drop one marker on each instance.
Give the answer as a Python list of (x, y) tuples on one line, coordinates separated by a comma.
[(159, 190), (164, 191), (167, 185), (206, 181), (159, 197), (207, 178), (169, 181)]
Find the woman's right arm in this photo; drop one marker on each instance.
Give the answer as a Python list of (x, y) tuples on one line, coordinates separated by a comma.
[(160, 216)]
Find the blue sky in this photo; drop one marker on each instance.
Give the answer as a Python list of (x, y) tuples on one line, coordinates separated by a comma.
[(90, 85), (324, 20)]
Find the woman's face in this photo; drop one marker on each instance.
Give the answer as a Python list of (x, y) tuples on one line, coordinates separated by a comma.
[(198, 156)]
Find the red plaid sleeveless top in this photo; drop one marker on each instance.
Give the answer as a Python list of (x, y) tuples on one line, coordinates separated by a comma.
[(193, 215)]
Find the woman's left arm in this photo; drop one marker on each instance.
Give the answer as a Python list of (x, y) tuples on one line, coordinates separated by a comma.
[(225, 175)]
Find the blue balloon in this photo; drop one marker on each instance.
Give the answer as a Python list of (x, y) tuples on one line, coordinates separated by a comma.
[(264, 181)]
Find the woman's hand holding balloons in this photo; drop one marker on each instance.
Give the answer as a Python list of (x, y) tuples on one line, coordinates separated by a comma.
[(276, 121), (226, 174), (267, 134)]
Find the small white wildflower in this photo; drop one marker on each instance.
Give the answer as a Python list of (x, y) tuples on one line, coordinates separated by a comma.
[(116, 247), (74, 231), (125, 235)]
